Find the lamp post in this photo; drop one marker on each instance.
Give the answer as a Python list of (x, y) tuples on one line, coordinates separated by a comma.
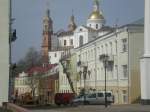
[(104, 58), (80, 73), (85, 70), (84, 76)]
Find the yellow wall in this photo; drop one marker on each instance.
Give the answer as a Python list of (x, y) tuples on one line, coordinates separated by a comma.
[(136, 50)]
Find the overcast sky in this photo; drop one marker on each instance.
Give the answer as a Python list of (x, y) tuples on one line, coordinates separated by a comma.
[(29, 15)]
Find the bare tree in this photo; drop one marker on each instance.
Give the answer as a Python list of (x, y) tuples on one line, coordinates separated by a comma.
[(33, 82), (32, 58)]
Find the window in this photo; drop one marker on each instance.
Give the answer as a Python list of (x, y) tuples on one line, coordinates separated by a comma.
[(80, 29), (102, 50), (98, 49), (116, 46), (116, 72), (92, 95), (124, 96), (59, 42), (106, 47), (100, 95), (108, 94), (111, 48), (46, 27), (81, 41), (124, 45), (96, 26), (125, 74), (71, 42), (65, 42), (55, 54)]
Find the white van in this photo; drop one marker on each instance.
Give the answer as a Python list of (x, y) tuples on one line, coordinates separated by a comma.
[(99, 98), (95, 98)]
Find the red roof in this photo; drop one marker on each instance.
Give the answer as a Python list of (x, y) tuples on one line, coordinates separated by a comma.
[(40, 69)]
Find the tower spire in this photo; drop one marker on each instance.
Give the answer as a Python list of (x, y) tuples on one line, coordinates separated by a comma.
[(47, 8), (72, 26), (47, 34)]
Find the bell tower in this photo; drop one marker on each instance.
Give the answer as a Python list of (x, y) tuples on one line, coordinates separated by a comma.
[(72, 25), (47, 34)]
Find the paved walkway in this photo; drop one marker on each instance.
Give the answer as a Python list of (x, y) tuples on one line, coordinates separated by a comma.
[(99, 108)]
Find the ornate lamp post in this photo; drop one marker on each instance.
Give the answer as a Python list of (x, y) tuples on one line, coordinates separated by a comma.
[(80, 73), (104, 58), (85, 70), (84, 76)]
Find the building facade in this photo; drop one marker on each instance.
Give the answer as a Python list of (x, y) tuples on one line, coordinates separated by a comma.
[(22, 84), (40, 82), (84, 45), (77, 37), (124, 47)]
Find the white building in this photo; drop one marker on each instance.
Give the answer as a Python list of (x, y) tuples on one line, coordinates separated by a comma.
[(55, 56), (79, 36), (4, 50), (124, 47), (22, 84)]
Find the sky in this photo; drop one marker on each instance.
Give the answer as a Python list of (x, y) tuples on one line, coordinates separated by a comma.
[(29, 14)]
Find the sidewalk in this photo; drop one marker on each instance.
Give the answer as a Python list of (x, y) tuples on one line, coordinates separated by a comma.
[(98, 108)]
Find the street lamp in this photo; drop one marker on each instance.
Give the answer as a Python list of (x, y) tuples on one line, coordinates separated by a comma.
[(104, 58), (80, 73), (84, 76), (85, 71)]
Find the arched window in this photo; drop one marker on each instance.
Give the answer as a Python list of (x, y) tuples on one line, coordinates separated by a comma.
[(96, 26), (65, 42), (81, 40)]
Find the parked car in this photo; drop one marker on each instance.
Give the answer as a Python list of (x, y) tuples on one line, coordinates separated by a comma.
[(94, 98), (64, 98)]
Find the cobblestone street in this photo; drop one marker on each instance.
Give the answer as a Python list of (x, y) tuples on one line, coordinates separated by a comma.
[(99, 108)]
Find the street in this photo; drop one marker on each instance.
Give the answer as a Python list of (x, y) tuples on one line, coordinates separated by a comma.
[(98, 108)]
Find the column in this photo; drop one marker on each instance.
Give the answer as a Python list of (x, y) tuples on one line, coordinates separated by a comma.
[(145, 60), (4, 50)]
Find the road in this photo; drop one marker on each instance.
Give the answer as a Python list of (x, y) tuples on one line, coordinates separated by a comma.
[(98, 108)]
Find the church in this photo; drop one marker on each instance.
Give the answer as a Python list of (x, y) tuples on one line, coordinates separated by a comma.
[(85, 45)]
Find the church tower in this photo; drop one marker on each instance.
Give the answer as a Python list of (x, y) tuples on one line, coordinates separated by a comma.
[(72, 26), (96, 19), (47, 34)]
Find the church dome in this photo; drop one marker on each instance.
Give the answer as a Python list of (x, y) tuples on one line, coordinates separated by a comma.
[(96, 15)]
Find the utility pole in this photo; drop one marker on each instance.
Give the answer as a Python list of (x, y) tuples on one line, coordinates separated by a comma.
[(12, 38)]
